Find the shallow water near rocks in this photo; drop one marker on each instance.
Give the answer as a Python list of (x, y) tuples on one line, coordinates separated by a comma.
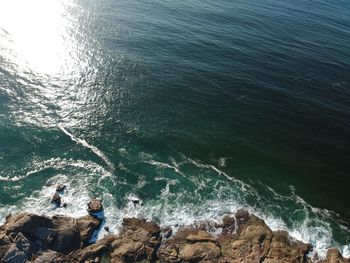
[(196, 108)]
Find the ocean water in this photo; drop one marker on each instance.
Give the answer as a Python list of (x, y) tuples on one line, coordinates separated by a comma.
[(197, 108)]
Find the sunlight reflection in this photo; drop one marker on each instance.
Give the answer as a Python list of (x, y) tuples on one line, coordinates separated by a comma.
[(37, 34)]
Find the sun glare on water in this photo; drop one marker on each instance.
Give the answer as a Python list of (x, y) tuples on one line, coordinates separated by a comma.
[(34, 34)]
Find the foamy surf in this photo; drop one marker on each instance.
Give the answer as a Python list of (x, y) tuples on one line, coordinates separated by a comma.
[(175, 214), (175, 204), (84, 143)]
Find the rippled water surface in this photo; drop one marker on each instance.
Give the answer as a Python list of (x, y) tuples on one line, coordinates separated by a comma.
[(195, 107)]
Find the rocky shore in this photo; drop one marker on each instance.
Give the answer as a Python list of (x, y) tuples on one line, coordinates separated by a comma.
[(241, 237)]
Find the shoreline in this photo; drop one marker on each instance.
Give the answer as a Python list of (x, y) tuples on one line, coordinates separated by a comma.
[(242, 237)]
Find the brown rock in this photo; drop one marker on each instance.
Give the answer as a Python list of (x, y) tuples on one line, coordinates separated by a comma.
[(242, 216), (138, 241), (48, 256), (26, 223), (128, 250), (284, 249), (228, 221), (27, 237), (334, 256), (169, 254), (152, 228), (95, 206), (89, 253), (199, 251), (200, 236), (87, 226), (255, 242), (132, 223), (190, 244)]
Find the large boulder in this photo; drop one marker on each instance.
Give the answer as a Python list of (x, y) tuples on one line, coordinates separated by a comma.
[(138, 241), (56, 200), (242, 216), (67, 235), (190, 245), (255, 242), (95, 206), (27, 223), (334, 256), (200, 251), (87, 226), (91, 253), (59, 233)]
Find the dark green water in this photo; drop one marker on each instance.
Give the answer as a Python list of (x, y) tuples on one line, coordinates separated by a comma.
[(197, 108)]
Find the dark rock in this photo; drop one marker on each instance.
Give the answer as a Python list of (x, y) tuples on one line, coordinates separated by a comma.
[(60, 188), (167, 232), (5, 243), (228, 224), (135, 201), (65, 205), (20, 250), (67, 235), (106, 228), (56, 200), (242, 216)]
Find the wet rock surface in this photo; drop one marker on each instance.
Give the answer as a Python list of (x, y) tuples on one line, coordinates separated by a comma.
[(243, 238), (56, 200), (95, 206), (87, 226)]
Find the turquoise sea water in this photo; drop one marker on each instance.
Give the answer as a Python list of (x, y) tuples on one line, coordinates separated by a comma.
[(195, 107)]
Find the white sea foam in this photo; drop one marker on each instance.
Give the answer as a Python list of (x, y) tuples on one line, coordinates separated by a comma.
[(175, 214), (346, 251), (59, 163), (165, 165), (84, 143), (5, 178), (76, 196), (174, 208), (243, 185), (222, 161)]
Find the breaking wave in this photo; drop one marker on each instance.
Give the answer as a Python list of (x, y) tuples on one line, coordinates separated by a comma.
[(191, 192)]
